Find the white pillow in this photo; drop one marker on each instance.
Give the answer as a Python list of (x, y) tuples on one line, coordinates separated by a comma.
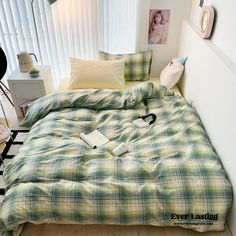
[(97, 74), (171, 74)]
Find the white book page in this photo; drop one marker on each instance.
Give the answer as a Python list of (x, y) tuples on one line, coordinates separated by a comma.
[(94, 139)]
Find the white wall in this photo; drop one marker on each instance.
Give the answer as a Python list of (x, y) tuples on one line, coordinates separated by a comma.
[(224, 33), (209, 82), (162, 54), (223, 41)]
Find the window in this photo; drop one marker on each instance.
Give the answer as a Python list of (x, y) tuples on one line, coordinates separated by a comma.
[(75, 28)]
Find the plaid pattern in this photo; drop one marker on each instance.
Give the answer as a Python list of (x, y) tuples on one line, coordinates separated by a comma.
[(137, 65), (171, 167)]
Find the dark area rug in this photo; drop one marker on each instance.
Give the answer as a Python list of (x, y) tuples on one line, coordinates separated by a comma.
[(11, 149)]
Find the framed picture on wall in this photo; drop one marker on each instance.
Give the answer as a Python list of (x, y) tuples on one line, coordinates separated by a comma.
[(158, 26)]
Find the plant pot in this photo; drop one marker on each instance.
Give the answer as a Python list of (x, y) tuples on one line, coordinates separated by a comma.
[(35, 75)]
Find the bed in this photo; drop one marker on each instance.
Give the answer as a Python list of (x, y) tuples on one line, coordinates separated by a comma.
[(171, 175)]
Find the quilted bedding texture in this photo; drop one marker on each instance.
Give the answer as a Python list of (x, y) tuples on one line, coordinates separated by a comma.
[(170, 176)]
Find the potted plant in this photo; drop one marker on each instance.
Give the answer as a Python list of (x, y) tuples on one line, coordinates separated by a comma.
[(34, 73)]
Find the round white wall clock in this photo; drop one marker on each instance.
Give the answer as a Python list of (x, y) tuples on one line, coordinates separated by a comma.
[(206, 21)]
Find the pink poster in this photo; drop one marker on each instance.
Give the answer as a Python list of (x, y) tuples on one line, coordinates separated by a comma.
[(158, 26)]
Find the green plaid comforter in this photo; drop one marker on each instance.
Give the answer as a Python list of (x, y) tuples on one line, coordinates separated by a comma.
[(170, 176)]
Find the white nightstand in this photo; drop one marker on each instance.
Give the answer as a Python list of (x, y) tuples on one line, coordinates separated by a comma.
[(24, 88)]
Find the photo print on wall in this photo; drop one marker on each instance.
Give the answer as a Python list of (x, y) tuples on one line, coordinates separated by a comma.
[(158, 26)]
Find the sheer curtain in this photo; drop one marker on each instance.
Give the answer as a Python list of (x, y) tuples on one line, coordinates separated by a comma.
[(74, 28), (123, 25)]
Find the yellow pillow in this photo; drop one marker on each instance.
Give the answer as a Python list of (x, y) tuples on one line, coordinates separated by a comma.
[(97, 74)]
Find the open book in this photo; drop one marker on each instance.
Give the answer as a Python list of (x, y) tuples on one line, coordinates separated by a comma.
[(94, 139)]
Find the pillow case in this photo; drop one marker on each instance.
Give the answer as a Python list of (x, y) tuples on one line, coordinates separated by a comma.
[(97, 74), (171, 74), (137, 65)]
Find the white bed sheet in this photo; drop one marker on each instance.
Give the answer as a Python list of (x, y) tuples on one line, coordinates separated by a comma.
[(64, 84)]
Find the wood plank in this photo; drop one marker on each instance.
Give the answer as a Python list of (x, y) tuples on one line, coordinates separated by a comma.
[(114, 230)]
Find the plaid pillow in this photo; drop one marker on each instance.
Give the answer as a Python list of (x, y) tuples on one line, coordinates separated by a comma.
[(137, 65)]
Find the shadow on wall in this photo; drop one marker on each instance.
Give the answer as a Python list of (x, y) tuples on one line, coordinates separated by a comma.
[(214, 24)]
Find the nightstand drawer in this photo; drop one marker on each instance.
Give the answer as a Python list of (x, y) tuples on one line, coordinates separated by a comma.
[(28, 90)]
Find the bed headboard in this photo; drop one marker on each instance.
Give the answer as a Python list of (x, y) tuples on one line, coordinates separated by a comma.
[(209, 83)]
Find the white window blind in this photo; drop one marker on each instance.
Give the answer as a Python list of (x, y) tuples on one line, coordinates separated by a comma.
[(75, 28)]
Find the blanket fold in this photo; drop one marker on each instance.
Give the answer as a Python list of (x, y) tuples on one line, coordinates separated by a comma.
[(94, 99)]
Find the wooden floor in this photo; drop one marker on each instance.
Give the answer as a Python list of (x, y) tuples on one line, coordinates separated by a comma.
[(10, 114), (111, 230), (99, 230)]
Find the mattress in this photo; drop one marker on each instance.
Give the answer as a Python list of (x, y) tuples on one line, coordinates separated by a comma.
[(171, 175), (64, 84)]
